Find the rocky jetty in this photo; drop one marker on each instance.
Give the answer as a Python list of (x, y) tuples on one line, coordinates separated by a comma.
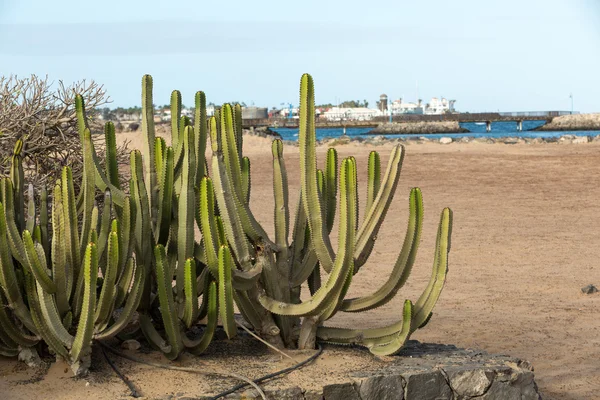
[(262, 131), (577, 122), (406, 128)]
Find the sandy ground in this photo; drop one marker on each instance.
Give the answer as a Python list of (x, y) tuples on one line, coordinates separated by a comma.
[(526, 238)]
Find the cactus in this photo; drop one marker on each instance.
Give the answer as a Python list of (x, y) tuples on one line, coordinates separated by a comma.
[(264, 277), (48, 275), (48, 283)]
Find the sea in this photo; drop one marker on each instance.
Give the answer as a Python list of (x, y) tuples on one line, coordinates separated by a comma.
[(499, 130)]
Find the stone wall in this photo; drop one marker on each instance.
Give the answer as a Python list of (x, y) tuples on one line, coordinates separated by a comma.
[(426, 372), (577, 122)]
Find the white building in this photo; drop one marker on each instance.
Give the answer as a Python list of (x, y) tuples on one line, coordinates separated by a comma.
[(351, 114), (437, 106), (434, 107)]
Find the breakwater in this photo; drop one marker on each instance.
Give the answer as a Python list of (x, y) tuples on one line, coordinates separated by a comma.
[(418, 128), (577, 122)]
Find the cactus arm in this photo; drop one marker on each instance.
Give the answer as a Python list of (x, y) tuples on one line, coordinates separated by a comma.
[(46, 332), (367, 232), (232, 223), (7, 351), (200, 128), (112, 167), (244, 304), (206, 222), (127, 232), (30, 222), (8, 279), (166, 183), (322, 298), (185, 209), (52, 319), (399, 339), (231, 152), (89, 187), (176, 140), (373, 178), (167, 305), (10, 329), (149, 136), (226, 292), (191, 293), (58, 257), (104, 223), (237, 113), (70, 237), (151, 334), (143, 230), (197, 347), (107, 294), (35, 264), (331, 183), (299, 235), (282, 214), (360, 336), (85, 329), (18, 178), (231, 163), (124, 282), (44, 221), (301, 274), (246, 180), (429, 297), (308, 175), (133, 300), (100, 178), (14, 237), (403, 265)]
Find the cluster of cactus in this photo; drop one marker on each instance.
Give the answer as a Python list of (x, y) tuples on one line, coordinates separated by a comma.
[(152, 261), (51, 291)]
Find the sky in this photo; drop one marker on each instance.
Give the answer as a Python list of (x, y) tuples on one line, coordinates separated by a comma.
[(508, 55)]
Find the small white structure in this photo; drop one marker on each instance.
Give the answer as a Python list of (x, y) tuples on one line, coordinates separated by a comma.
[(351, 114)]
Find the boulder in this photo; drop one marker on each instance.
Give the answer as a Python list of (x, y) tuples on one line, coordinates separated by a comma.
[(445, 140)]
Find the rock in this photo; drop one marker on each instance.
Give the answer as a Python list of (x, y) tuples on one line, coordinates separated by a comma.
[(580, 140), (511, 140), (131, 344), (30, 357), (470, 382), (589, 289), (517, 387), (445, 140), (428, 386), (382, 388), (340, 391), (465, 139), (313, 395), (293, 393)]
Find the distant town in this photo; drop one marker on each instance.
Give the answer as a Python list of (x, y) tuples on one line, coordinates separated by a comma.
[(345, 111)]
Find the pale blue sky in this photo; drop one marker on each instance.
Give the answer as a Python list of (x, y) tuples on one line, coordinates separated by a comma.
[(508, 55)]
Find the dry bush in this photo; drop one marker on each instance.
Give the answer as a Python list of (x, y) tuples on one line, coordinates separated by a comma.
[(44, 117)]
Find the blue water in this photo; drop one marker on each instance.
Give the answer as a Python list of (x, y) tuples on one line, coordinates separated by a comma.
[(499, 129)]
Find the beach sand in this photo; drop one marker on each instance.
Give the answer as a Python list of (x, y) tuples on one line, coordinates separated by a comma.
[(526, 238)]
